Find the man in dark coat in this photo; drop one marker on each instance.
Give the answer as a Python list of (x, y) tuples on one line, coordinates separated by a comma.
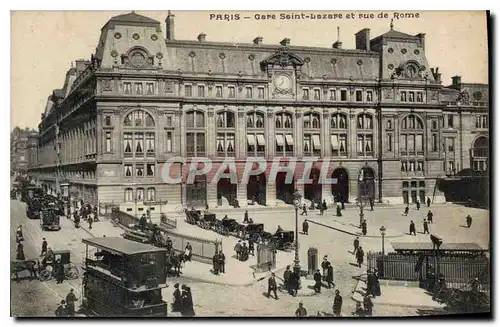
[(59, 271), (176, 304), (70, 303), (286, 279), (469, 221), (371, 204), (96, 214), (337, 303), (251, 247), (20, 251), (407, 210), (418, 205), (169, 244), (329, 276), (304, 210), (61, 309), (360, 254), (430, 215), (342, 204), (301, 311), (428, 201), (142, 221), (245, 217), (364, 227), (321, 209), (89, 220), (237, 248), (426, 227), (188, 251), (272, 287), (222, 262), (317, 278), (305, 227), (215, 263), (324, 206), (356, 244), (412, 228), (324, 267), (377, 291), (339, 211), (370, 282), (44, 247), (294, 283)]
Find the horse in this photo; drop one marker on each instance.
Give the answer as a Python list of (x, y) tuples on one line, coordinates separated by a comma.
[(29, 265), (174, 261)]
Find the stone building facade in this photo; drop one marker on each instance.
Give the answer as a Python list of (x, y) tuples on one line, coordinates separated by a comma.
[(378, 113), (23, 145)]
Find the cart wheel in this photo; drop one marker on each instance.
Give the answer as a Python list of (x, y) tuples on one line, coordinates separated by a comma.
[(287, 247), (256, 238), (45, 275)]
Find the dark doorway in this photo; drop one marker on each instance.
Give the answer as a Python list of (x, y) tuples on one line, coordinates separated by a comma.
[(366, 184), (284, 191), (256, 189), (196, 193), (340, 191), (313, 191), (226, 191)]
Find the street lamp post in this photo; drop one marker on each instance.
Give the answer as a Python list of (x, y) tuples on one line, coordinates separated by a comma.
[(297, 198), (382, 232)]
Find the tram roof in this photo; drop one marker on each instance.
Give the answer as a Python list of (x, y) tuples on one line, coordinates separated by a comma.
[(402, 246), (121, 245)]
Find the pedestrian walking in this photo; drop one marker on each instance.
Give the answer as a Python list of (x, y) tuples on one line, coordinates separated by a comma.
[(342, 204), (356, 245), (222, 262), (412, 229), (469, 221), (339, 211), (418, 205), (377, 283), (301, 311), (188, 252), (44, 247), (215, 263), (272, 287), (324, 206), (294, 282), (89, 220), (245, 217), (70, 303), (368, 304), (251, 247), (428, 201), (305, 227), (329, 275), (61, 309), (304, 210), (370, 282), (364, 227), (20, 251), (407, 210), (237, 249), (426, 227), (59, 271), (360, 254), (371, 204), (324, 267), (337, 303), (176, 303), (321, 209), (430, 215), (317, 278), (286, 279)]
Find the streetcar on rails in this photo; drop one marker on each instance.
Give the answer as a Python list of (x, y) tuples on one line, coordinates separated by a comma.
[(123, 278)]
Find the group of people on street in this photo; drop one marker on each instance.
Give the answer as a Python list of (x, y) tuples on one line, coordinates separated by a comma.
[(87, 212), (183, 300), (291, 281), (373, 283), (336, 307), (243, 250), (219, 263), (358, 252), (66, 308)]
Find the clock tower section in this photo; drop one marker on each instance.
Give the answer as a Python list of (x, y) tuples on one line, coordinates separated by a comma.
[(283, 69)]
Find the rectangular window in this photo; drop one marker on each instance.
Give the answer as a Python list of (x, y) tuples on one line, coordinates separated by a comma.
[(451, 144), (107, 121), (420, 97), (260, 93), (317, 95), (201, 91), (420, 166), (138, 88), (128, 170), (369, 96), (140, 194), (307, 144), (403, 96), (139, 170), (333, 95), (150, 88), (434, 143), (169, 121), (248, 93), (190, 144), (232, 93), (403, 143), (188, 90), (450, 121), (419, 143), (359, 95), (305, 94), (478, 122), (127, 145), (150, 170), (151, 194), (218, 91), (129, 195), (389, 142), (107, 147), (343, 95), (411, 97), (484, 122), (138, 143), (150, 143), (200, 144), (127, 88), (169, 141)]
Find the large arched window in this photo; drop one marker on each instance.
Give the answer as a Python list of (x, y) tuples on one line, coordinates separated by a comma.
[(139, 135), (312, 140), (195, 134), (284, 134), (480, 153), (338, 134), (256, 142), (226, 130), (364, 126), (151, 195), (411, 137)]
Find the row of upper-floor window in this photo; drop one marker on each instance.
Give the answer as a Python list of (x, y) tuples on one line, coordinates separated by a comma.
[(140, 194)]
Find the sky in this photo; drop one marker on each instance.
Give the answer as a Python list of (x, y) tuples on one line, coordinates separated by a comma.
[(44, 44)]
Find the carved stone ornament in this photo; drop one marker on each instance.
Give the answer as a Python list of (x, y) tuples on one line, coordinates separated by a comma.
[(178, 113), (192, 54), (210, 112), (307, 60), (390, 66), (222, 55), (159, 55), (118, 35), (360, 62), (434, 95), (283, 58), (106, 85), (388, 94), (416, 52), (136, 36), (114, 54), (138, 58), (334, 61), (463, 97), (403, 51), (241, 113), (154, 37), (270, 113), (169, 87), (251, 57)]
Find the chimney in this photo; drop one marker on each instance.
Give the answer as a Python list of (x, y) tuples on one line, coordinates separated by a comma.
[(258, 40), (363, 39), (456, 80), (337, 45), (202, 37), (421, 37), (170, 26), (285, 42)]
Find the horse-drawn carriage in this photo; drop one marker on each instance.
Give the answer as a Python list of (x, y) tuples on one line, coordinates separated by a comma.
[(256, 233), (283, 240), (44, 269), (193, 216)]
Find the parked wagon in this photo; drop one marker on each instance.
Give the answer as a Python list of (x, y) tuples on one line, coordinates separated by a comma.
[(208, 221), (254, 232), (193, 216), (47, 268), (283, 240), (226, 226)]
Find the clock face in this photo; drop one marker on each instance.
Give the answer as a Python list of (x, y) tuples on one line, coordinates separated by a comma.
[(283, 82)]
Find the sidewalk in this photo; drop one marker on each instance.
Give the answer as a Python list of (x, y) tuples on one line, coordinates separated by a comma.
[(352, 229)]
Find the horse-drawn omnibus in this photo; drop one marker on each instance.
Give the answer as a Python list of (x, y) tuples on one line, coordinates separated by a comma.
[(123, 278)]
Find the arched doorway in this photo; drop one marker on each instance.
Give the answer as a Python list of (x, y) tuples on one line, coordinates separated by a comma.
[(196, 193), (226, 191), (480, 154), (366, 184), (256, 189), (312, 191), (340, 190), (284, 190)]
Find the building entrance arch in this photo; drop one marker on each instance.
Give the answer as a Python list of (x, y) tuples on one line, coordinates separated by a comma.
[(340, 190), (256, 189)]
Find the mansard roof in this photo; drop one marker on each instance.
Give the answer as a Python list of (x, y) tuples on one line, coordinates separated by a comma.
[(131, 19)]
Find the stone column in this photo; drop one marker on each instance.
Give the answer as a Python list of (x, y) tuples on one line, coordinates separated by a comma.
[(241, 136), (270, 125), (325, 135), (353, 146), (299, 135), (181, 138), (210, 132)]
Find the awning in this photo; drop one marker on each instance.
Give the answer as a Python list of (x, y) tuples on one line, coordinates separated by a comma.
[(316, 142), (289, 139), (261, 140), (335, 141), (251, 139), (279, 140)]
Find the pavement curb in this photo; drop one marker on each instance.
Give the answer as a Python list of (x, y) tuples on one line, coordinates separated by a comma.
[(351, 233)]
